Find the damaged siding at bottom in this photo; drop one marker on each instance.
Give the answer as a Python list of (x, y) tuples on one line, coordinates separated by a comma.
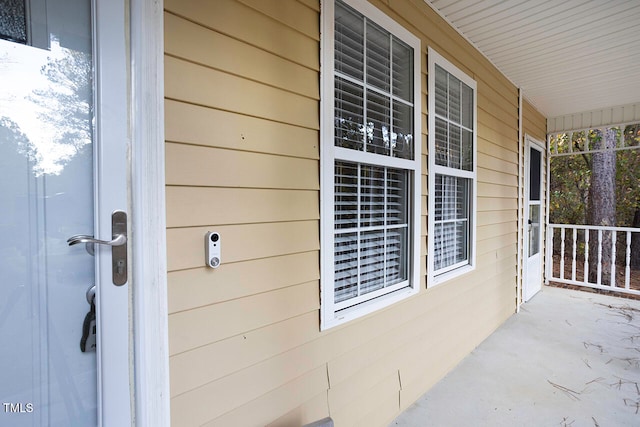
[(242, 130)]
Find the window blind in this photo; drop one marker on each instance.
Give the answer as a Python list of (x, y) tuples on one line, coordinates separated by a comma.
[(373, 87), (454, 152), (371, 228), (370, 162)]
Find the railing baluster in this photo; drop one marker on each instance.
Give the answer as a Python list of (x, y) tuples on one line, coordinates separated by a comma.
[(598, 280), (627, 264), (614, 237), (594, 265), (573, 256), (586, 255), (549, 270), (562, 253)]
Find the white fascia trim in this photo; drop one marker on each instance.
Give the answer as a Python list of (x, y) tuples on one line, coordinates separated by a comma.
[(434, 58), (148, 216), (328, 318)]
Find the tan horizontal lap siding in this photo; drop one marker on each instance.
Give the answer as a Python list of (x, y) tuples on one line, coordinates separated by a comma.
[(242, 129), (243, 148)]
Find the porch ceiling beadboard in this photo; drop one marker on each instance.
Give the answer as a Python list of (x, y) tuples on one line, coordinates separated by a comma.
[(568, 57)]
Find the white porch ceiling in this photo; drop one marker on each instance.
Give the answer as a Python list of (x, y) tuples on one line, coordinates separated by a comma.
[(568, 56)]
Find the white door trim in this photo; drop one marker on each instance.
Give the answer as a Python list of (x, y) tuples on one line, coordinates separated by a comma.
[(540, 146), (110, 193), (148, 216)]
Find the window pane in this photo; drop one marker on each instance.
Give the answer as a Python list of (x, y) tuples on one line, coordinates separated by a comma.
[(373, 253), (441, 92), (349, 115), (454, 122), (363, 108), (397, 199), (452, 212), (402, 135), (444, 245), (402, 70), (372, 206), (346, 195), (452, 198), (462, 197), (13, 21), (396, 258), (371, 261), (378, 57), (534, 229), (535, 160), (454, 99), (378, 123), (349, 41), (462, 239), (455, 147), (467, 150), (442, 142), (467, 106), (346, 266)]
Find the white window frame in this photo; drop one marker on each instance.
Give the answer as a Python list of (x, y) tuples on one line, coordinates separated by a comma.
[(450, 272), (331, 314)]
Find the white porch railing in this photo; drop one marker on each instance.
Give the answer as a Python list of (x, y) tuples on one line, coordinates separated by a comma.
[(593, 256)]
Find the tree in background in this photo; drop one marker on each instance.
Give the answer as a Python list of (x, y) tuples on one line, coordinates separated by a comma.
[(629, 187), (601, 208), (597, 188)]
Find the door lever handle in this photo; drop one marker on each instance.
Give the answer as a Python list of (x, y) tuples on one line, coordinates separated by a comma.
[(118, 246), (120, 240)]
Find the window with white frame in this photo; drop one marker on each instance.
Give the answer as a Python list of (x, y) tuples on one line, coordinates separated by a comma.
[(370, 161), (452, 169)]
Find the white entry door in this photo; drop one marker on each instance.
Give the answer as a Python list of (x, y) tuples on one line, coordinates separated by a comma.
[(533, 219), (63, 145)]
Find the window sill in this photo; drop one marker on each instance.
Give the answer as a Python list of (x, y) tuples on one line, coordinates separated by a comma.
[(368, 307), (449, 275)]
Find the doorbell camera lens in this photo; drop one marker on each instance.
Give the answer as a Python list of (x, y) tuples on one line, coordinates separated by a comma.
[(215, 237)]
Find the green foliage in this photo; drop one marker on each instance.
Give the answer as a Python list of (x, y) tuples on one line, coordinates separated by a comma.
[(570, 176)]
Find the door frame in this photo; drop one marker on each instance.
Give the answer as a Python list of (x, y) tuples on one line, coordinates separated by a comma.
[(131, 36), (531, 142), (148, 216)]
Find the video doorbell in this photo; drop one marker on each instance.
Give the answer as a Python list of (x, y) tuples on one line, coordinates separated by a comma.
[(212, 249)]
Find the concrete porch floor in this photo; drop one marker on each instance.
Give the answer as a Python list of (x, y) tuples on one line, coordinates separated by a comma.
[(569, 358)]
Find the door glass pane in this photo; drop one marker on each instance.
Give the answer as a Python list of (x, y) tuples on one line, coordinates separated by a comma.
[(535, 160), (534, 229), (45, 197), (13, 21)]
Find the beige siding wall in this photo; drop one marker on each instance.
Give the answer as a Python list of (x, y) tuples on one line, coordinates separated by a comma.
[(242, 150), (533, 122)]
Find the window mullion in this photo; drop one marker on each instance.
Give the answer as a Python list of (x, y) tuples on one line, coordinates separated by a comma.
[(358, 226), (365, 89), (391, 126), (448, 122), (384, 239)]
